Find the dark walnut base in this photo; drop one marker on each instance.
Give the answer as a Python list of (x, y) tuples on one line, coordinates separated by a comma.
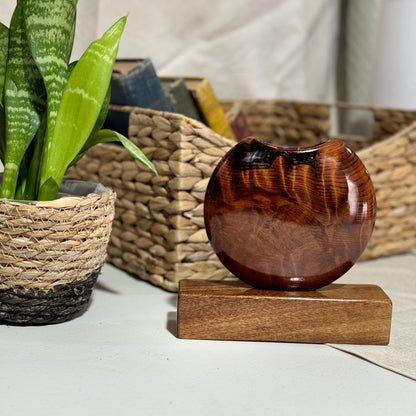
[(337, 313)]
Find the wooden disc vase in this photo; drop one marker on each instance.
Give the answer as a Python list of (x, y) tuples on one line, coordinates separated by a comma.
[(51, 253), (289, 218)]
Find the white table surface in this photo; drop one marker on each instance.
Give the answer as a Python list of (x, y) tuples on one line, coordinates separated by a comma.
[(121, 357)]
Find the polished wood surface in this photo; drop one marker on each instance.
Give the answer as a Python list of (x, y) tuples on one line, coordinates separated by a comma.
[(337, 313), (289, 218)]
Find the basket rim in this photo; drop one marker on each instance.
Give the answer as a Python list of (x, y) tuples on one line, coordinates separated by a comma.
[(166, 114), (329, 104), (66, 198)]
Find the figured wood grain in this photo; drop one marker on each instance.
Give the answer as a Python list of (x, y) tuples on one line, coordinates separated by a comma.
[(289, 218), (341, 314)]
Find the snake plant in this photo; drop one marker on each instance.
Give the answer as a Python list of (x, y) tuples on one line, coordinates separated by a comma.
[(51, 109)]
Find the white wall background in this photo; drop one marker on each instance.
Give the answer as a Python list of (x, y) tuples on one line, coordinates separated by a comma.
[(260, 48), (393, 73)]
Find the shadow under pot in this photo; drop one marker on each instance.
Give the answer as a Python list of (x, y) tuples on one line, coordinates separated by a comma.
[(51, 253)]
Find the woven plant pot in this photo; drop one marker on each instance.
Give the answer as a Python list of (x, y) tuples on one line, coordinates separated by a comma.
[(51, 253), (159, 234)]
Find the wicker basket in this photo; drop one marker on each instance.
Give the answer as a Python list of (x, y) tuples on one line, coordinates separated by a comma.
[(51, 254), (158, 231)]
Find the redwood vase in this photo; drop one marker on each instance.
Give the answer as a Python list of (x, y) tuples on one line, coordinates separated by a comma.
[(289, 218)]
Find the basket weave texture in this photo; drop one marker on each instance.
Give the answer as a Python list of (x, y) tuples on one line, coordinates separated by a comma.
[(50, 256), (158, 231)]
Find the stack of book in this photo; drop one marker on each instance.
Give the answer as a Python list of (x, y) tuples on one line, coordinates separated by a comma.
[(136, 83)]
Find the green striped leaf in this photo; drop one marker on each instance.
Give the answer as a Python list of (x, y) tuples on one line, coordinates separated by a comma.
[(106, 136), (99, 123), (50, 27), (30, 188), (103, 112), (23, 92), (81, 104), (4, 40), (2, 133)]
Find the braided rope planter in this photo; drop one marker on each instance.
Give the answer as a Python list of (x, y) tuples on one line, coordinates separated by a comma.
[(51, 254), (158, 232)]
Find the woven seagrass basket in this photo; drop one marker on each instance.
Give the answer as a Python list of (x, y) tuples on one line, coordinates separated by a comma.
[(51, 253), (158, 233)]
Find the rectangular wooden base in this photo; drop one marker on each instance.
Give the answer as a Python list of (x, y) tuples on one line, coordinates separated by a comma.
[(337, 313)]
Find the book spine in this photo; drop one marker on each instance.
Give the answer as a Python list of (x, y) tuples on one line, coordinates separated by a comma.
[(238, 123), (180, 98), (139, 87), (211, 110)]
